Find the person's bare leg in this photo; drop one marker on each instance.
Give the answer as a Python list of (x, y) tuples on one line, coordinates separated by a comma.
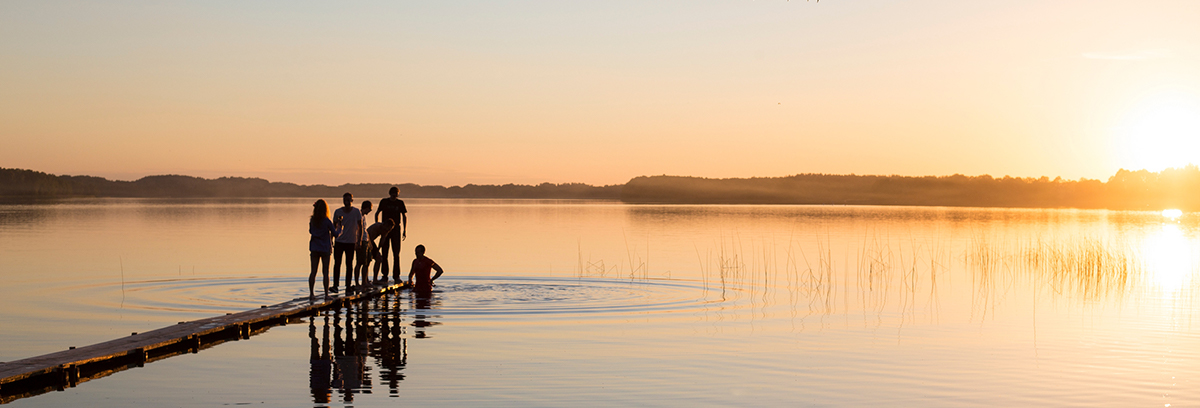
[(349, 268), (363, 263), (337, 266), (396, 260), (378, 263), (325, 274), (383, 260), (358, 265), (312, 276)]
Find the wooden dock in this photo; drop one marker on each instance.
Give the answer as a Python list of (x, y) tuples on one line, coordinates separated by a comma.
[(64, 369)]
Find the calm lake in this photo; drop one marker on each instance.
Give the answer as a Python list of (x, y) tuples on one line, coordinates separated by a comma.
[(598, 303)]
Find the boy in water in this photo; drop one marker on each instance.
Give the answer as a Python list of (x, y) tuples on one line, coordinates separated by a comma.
[(421, 268)]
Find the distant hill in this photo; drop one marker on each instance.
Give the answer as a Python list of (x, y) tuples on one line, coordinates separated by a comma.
[(29, 183), (1171, 188), (1140, 190)]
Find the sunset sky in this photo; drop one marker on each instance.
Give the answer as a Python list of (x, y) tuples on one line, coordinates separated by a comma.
[(449, 92)]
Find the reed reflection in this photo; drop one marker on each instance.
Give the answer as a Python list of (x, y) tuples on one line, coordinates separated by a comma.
[(354, 342)]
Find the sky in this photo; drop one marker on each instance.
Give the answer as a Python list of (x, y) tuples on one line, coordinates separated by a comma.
[(598, 92)]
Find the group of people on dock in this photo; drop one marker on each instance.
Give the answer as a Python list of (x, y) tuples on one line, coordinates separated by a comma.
[(346, 234)]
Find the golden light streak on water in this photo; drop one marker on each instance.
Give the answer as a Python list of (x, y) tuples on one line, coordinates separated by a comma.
[(1169, 258)]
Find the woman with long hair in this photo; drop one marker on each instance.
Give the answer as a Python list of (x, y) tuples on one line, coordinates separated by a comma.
[(320, 245)]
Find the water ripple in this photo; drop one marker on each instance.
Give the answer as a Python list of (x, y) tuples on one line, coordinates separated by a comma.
[(457, 295), (570, 296)]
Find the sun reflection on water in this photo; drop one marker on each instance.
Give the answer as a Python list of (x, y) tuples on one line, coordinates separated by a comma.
[(1169, 258)]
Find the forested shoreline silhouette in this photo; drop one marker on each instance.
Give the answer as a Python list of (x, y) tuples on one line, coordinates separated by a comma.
[(1141, 190), (32, 184), (1137, 190)]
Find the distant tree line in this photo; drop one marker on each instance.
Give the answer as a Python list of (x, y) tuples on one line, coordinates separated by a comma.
[(28, 183), (1141, 189)]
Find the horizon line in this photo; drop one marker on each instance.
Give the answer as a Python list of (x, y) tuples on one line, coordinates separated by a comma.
[(1056, 178)]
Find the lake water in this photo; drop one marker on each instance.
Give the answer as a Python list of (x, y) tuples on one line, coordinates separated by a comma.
[(597, 303)]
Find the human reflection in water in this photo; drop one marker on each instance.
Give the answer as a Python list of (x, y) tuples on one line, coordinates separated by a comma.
[(391, 348), (370, 329), (423, 303), (320, 365), (348, 371)]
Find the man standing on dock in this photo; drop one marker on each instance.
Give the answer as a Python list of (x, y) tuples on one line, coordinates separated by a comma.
[(351, 221), (392, 208)]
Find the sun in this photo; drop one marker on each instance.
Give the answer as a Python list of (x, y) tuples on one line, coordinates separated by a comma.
[(1162, 131)]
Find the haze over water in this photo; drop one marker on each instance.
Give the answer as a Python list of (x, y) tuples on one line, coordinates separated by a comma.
[(549, 303)]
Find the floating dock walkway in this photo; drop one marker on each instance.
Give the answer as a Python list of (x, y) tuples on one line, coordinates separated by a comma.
[(64, 369)]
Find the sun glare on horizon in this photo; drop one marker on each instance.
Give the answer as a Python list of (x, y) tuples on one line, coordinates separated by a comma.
[(1164, 131)]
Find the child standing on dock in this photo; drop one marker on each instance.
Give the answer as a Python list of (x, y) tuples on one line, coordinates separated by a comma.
[(421, 268), (363, 249), (320, 245)]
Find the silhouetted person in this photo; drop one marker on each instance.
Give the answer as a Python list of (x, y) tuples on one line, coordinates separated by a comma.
[(422, 266), (376, 230), (392, 208), (319, 246), (364, 256), (350, 220)]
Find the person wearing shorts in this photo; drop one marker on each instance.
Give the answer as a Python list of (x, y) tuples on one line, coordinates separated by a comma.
[(376, 230), (363, 250), (320, 244), (350, 221), (392, 208)]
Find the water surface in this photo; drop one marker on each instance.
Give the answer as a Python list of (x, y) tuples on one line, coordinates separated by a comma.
[(550, 303)]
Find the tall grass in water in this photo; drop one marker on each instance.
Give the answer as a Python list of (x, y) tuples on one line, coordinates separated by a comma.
[(594, 268), (939, 256), (880, 275), (874, 272), (724, 266), (988, 261), (1091, 267), (639, 268), (817, 282), (1087, 267)]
